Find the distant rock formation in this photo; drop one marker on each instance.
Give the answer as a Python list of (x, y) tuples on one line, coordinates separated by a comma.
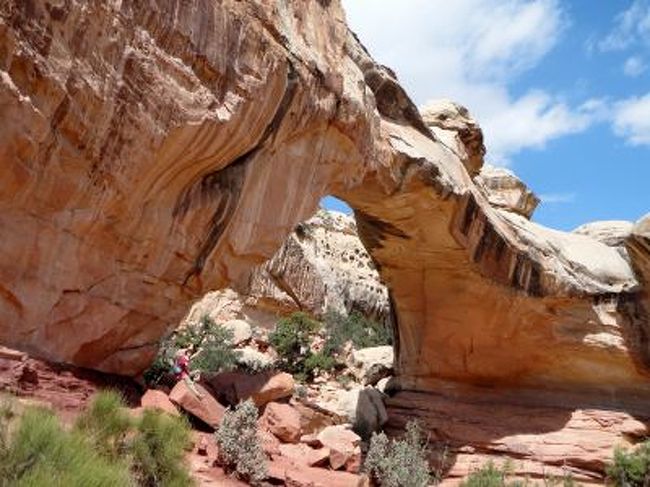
[(322, 266)]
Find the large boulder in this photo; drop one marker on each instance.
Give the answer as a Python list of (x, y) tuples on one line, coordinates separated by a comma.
[(283, 421), (155, 399), (374, 363), (204, 407), (234, 387), (344, 447), (363, 407)]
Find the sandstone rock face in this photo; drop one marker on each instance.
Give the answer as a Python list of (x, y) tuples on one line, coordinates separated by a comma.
[(612, 233), (152, 151), (322, 266), (505, 190), (113, 234), (453, 125)]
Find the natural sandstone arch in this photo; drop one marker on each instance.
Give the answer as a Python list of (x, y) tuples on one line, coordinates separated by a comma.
[(142, 168)]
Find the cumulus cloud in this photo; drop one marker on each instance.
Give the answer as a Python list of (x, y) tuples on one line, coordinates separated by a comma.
[(634, 66), (471, 51), (631, 27), (631, 120)]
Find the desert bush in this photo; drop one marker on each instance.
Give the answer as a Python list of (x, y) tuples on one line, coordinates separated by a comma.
[(489, 475), (105, 447), (631, 468), (291, 339), (158, 450), (107, 424), (355, 328), (399, 463), (40, 452), (213, 342), (240, 449)]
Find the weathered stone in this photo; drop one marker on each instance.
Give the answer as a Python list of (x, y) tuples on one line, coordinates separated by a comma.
[(611, 233), (283, 421), (362, 407), (206, 407), (344, 447), (284, 470), (154, 399), (321, 267), (505, 190), (140, 169), (234, 387), (373, 363), (240, 329), (452, 124)]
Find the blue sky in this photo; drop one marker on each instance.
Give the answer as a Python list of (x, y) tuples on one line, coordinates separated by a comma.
[(561, 89)]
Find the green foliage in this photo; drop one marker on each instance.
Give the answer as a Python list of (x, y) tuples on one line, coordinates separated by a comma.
[(355, 328), (487, 476), (399, 463), (631, 468), (158, 450), (104, 448), (216, 349), (41, 452), (316, 362), (213, 343), (107, 424), (291, 339), (240, 449)]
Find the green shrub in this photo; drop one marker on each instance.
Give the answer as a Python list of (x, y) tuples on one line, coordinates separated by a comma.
[(104, 448), (631, 468), (41, 452), (399, 463), (107, 424), (487, 476), (240, 449), (355, 328), (213, 342), (319, 362), (291, 340), (158, 450)]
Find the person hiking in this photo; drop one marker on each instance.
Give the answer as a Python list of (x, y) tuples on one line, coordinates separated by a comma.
[(181, 369)]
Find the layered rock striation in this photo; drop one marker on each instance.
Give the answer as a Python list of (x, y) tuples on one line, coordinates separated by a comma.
[(152, 151), (321, 267)]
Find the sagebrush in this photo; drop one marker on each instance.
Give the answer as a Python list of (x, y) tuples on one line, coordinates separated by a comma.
[(399, 462), (240, 449)]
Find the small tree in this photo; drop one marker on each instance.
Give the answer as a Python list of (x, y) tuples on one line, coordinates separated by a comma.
[(214, 345), (355, 328), (239, 446), (291, 339), (631, 468), (399, 463)]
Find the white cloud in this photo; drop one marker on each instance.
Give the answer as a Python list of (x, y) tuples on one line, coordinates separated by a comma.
[(557, 198), (631, 120), (634, 66), (470, 51), (632, 26)]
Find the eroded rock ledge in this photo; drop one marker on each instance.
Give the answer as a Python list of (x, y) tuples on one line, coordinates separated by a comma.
[(152, 151)]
